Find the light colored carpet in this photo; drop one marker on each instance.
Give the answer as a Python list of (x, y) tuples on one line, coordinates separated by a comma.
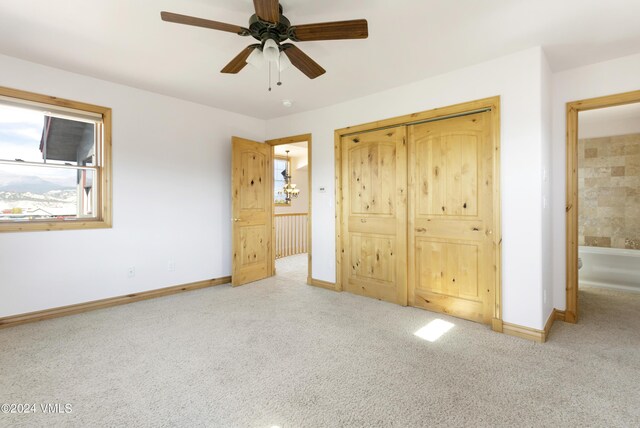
[(280, 353), (293, 267)]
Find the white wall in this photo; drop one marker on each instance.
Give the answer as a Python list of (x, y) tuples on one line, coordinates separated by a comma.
[(605, 78), (518, 80), (547, 236), (171, 199)]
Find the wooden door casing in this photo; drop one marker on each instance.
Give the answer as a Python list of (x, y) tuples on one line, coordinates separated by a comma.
[(452, 261), (251, 210), (374, 214)]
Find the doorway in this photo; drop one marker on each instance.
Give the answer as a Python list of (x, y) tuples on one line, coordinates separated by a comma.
[(291, 206), (602, 175)]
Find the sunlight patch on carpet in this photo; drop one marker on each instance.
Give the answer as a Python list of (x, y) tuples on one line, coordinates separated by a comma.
[(434, 330)]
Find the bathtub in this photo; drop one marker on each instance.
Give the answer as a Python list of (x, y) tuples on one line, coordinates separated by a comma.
[(610, 268)]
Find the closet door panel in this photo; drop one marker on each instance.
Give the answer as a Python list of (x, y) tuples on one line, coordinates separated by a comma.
[(451, 257), (374, 215)]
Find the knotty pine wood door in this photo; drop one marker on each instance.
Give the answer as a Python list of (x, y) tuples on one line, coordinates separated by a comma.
[(374, 215), (451, 263), (251, 199)]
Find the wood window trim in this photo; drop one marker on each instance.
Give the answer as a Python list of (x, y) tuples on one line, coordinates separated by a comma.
[(571, 208), (104, 218), (492, 103)]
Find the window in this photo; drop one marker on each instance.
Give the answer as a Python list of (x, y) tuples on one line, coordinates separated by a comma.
[(280, 164), (55, 163)]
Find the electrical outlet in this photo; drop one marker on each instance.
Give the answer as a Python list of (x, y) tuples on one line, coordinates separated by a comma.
[(171, 265), (131, 272)]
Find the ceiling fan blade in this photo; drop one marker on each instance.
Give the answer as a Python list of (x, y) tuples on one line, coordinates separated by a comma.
[(239, 61), (205, 23), (267, 10), (302, 61), (338, 30)]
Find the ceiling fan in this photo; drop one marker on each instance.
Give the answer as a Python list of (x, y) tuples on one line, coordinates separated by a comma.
[(271, 28)]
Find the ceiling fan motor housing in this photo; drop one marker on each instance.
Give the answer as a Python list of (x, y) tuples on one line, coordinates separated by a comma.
[(262, 30)]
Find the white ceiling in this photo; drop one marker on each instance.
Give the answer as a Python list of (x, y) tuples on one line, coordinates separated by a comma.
[(296, 150), (126, 42), (623, 112), (604, 122)]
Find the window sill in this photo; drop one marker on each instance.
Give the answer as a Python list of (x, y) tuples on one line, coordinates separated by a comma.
[(34, 226)]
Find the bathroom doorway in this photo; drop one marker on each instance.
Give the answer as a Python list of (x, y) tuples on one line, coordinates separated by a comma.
[(603, 203)]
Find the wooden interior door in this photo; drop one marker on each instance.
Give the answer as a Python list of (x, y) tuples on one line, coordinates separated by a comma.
[(374, 214), (452, 259), (251, 204)]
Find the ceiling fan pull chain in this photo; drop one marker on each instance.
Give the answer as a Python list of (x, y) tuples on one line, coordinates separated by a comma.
[(279, 72), (269, 76)]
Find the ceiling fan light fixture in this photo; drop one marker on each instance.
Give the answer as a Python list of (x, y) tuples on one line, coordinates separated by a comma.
[(270, 50), (256, 58)]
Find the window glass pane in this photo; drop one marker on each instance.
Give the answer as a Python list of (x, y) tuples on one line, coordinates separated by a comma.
[(278, 194), (41, 193), (32, 136), (70, 142), (279, 165), (20, 134)]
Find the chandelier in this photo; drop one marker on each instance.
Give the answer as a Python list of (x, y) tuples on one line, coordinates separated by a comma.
[(290, 191)]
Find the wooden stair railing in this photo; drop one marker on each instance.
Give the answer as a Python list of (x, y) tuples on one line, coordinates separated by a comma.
[(291, 234)]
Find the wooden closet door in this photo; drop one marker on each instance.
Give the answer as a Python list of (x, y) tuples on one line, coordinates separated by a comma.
[(451, 253), (374, 215)]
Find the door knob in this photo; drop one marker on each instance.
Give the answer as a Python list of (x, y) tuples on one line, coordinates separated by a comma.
[(236, 219)]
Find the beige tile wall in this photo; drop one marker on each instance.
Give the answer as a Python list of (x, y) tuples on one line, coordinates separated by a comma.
[(609, 191)]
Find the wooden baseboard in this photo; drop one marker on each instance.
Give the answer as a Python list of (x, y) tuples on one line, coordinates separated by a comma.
[(62, 311), (322, 284), (549, 324), (523, 332), (560, 315), (529, 333)]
